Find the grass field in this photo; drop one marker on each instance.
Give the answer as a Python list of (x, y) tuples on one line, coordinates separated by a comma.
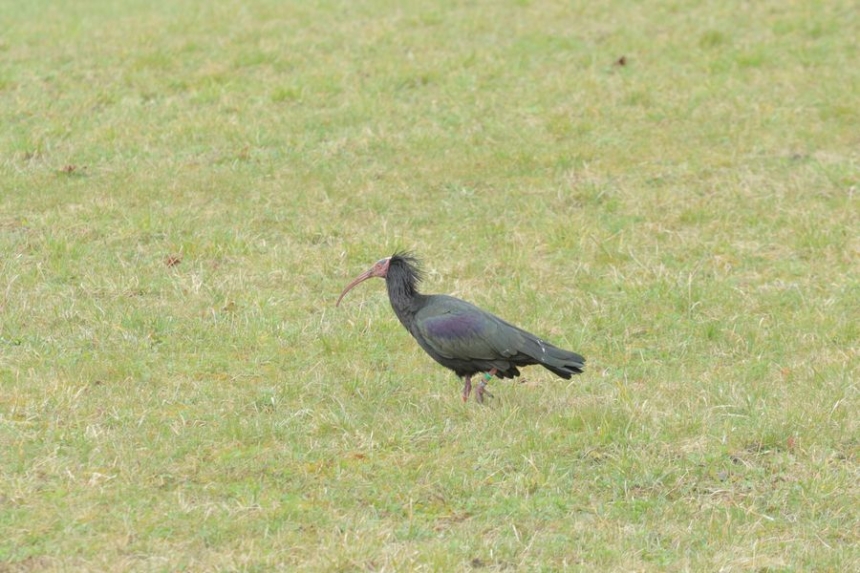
[(187, 186)]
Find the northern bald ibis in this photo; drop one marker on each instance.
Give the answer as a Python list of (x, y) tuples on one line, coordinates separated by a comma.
[(459, 335)]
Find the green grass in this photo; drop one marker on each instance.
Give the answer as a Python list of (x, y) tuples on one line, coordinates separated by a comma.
[(186, 187)]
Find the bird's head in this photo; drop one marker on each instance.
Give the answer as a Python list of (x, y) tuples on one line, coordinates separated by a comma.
[(404, 268), (379, 269)]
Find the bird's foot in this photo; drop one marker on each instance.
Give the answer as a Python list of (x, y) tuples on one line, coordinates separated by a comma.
[(481, 391), (482, 386), (467, 387)]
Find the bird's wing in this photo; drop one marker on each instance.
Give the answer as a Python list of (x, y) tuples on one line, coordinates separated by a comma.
[(459, 330)]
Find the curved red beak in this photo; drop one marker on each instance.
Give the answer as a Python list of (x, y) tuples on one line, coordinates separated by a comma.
[(380, 269)]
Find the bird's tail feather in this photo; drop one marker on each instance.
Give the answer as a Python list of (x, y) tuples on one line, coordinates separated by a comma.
[(561, 362)]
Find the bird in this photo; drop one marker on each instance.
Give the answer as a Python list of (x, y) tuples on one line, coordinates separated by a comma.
[(459, 335)]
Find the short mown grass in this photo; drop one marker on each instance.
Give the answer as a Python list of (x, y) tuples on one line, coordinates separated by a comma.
[(186, 188)]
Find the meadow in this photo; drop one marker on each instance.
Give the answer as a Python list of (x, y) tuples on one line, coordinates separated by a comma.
[(668, 188)]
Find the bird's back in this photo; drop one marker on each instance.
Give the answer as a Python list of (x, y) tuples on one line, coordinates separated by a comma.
[(467, 339)]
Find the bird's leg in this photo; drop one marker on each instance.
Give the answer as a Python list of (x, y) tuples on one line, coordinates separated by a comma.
[(467, 387), (482, 386)]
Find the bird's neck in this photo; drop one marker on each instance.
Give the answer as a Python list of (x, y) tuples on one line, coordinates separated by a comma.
[(405, 300)]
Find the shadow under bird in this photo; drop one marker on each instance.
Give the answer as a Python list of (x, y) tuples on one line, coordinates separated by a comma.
[(459, 335)]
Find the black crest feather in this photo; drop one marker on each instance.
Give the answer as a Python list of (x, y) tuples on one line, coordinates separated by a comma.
[(410, 264)]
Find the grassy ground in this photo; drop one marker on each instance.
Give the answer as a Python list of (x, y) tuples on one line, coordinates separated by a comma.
[(186, 187)]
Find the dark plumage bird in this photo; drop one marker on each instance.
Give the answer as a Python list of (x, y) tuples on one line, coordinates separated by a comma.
[(459, 335)]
